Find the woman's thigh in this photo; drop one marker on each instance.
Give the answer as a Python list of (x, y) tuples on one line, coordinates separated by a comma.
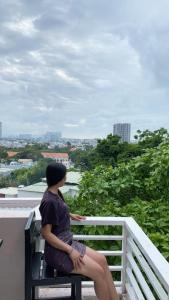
[(97, 257), (91, 269)]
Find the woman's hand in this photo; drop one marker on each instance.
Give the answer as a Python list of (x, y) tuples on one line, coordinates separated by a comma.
[(76, 217), (76, 258)]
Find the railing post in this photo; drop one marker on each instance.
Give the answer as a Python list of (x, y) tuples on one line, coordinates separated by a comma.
[(124, 260)]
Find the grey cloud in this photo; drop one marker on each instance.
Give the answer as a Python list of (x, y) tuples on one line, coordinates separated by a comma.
[(112, 60), (50, 21)]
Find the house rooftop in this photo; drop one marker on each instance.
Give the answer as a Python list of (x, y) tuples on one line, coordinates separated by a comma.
[(11, 153), (9, 191), (54, 155), (72, 177), (40, 187)]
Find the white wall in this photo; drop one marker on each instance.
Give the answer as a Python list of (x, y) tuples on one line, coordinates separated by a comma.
[(13, 217), (12, 255)]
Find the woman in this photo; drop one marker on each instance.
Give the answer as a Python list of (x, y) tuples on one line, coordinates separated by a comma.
[(61, 252)]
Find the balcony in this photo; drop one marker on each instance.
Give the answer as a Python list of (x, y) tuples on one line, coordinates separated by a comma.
[(143, 271)]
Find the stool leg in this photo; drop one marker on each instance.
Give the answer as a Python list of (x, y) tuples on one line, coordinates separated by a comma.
[(78, 295), (28, 293), (33, 292), (73, 291)]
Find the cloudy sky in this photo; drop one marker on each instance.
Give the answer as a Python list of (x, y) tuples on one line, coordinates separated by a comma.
[(78, 66)]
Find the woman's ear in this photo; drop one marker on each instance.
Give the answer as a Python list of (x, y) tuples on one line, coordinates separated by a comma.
[(62, 182)]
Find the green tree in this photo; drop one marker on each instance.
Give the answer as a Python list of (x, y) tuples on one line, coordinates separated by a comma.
[(26, 176), (108, 149), (3, 153), (29, 153), (145, 176), (151, 139), (129, 151), (108, 152)]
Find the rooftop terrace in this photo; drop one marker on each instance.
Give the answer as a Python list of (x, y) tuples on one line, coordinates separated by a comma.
[(143, 271)]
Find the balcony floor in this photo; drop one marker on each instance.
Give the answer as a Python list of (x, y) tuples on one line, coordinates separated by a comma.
[(87, 293)]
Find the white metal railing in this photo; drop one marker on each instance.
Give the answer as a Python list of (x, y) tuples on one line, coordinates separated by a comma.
[(107, 221), (144, 271), (147, 271)]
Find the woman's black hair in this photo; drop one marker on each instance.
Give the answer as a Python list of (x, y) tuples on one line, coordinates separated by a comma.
[(55, 172)]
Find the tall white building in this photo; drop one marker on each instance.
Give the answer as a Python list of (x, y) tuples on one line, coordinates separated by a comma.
[(123, 130), (0, 130)]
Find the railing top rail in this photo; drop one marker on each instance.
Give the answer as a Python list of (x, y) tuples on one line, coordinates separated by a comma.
[(92, 220), (151, 253), (101, 221)]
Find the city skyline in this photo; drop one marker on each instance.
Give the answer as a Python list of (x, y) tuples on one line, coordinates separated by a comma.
[(79, 67)]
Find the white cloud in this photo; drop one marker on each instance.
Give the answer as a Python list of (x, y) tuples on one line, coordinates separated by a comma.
[(82, 121), (102, 83), (37, 56), (71, 45), (44, 108), (71, 125), (64, 75), (23, 26), (11, 69)]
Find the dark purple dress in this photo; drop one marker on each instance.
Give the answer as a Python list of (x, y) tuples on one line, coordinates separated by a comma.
[(54, 211)]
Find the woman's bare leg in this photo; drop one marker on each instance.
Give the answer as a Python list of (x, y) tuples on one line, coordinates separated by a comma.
[(94, 271), (101, 260)]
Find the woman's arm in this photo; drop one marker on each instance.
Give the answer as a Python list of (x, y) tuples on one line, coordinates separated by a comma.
[(53, 240), (76, 217)]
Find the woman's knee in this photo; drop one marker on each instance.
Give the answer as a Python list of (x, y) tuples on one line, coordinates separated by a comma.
[(92, 269), (102, 261), (98, 273), (98, 257)]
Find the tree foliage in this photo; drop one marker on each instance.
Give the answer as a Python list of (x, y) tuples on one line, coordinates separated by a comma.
[(3, 153), (111, 151), (138, 188), (149, 139), (153, 217), (26, 176), (145, 176)]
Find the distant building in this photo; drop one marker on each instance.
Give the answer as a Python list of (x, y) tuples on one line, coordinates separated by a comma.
[(26, 161), (72, 178), (70, 188), (5, 171), (52, 136), (58, 157), (0, 130), (25, 136), (123, 130)]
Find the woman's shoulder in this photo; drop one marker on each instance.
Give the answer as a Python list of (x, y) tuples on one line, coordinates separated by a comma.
[(53, 197), (48, 199)]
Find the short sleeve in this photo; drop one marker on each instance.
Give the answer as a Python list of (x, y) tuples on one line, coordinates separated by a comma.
[(49, 213)]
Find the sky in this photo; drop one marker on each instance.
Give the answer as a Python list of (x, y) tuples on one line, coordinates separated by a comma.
[(79, 66)]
